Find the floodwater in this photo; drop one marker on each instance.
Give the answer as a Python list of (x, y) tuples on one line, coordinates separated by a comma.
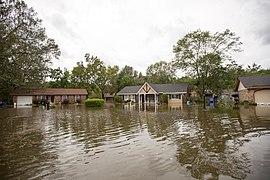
[(131, 142)]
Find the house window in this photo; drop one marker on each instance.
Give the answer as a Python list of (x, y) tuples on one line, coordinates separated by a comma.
[(133, 96), (125, 97), (175, 96)]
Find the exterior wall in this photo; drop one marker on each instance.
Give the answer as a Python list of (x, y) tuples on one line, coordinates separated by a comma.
[(175, 101), (57, 99), (83, 98), (71, 99), (241, 87), (129, 97), (246, 95)]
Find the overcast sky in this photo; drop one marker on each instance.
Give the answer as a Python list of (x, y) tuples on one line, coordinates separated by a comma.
[(141, 32)]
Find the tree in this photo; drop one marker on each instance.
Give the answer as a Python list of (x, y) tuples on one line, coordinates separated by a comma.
[(161, 72), (128, 76), (203, 56), (25, 50), (100, 75), (79, 77)]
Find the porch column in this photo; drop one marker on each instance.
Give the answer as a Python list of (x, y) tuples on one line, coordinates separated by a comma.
[(155, 96), (139, 98)]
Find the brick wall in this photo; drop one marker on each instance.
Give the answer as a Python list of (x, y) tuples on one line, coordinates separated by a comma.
[(71, 99), (246, 95), (57, 99)]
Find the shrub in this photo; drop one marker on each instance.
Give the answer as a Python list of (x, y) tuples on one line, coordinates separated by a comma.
[(164, 98), (117, 99), (94, 102)]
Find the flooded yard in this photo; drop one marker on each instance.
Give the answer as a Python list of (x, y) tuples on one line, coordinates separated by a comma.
[(135, 142)]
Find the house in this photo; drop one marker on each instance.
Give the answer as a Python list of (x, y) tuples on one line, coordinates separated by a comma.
[(152, 93), (254, 89), (25, 96)]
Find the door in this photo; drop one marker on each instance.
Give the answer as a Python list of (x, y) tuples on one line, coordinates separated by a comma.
[(262, 96), (24, 100)]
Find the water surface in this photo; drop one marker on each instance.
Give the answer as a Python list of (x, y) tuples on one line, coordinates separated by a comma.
[(131, 142)]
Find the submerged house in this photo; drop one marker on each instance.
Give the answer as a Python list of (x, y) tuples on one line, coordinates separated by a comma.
[(152, 93), (24, 96), (254, 89)]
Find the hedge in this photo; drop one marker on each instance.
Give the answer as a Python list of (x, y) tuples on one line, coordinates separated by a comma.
[(94, 102)]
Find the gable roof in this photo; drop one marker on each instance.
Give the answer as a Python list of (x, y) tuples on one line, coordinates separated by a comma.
[(159, 88), (49, 91), (255, 81)]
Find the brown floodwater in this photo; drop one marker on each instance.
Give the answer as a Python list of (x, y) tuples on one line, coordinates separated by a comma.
[(132, 142)]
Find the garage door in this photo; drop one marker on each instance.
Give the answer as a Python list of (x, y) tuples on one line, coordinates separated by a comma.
[(262, 96), (24, 100)]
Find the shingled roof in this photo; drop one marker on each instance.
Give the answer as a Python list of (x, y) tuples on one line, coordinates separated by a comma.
[(129, 90), (159, 88), (170, 88), (255, 81), (48, 91)]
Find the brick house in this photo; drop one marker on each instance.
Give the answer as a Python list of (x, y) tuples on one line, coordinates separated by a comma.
[(254, 89), (53, 95)]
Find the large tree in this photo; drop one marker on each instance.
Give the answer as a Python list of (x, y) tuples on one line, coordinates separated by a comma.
[(101, 76), (128, 76), (161, 72), (205, 57), (25, 50)]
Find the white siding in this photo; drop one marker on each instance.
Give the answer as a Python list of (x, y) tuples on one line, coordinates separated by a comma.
[(241, 87)]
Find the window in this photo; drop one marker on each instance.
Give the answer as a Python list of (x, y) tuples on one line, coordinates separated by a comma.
[(175, 96), (125, 97)]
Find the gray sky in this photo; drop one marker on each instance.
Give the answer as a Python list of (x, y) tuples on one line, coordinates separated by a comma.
[(141, 32)]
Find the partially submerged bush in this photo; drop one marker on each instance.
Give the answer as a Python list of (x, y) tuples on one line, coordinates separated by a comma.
[(94, 102), (117, 99)]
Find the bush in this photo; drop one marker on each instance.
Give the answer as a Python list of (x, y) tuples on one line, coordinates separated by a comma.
[(164, 98), (94, 102), (117, 99)]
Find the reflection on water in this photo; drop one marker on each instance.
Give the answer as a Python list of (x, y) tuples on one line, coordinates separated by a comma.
[(135, 142)]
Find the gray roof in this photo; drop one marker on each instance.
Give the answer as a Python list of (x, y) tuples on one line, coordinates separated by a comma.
[(170, 88), (129, 90), (159, 88), (254, 81)]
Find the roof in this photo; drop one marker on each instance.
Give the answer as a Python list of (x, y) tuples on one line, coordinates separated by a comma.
[(170, 88), (49, 91), (255, 81), (159, 88), (129, 90)]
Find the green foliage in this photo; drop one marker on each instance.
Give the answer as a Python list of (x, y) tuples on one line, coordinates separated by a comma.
[(206, 58), (25, 50), (164, 98), (117, 99), (94, 102), (161, 72), (59, 78), (129, 77)]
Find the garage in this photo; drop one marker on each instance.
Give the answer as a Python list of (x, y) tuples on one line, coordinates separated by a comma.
[(262, 96), (24, 100)]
